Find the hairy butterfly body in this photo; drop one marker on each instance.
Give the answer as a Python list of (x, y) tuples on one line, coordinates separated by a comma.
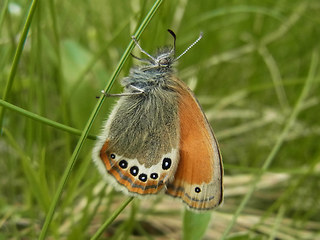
[(157, 138)]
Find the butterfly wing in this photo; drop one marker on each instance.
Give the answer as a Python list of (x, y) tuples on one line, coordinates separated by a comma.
[(198, 179), (138, 148)]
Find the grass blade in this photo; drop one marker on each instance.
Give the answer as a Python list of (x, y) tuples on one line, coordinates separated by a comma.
[(17, 56), (42, 119), (111, 219)]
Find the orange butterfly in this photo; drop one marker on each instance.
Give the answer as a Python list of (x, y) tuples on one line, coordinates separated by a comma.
[(157, 138)]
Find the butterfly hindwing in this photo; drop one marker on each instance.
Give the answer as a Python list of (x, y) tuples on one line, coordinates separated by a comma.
[(138, 149)]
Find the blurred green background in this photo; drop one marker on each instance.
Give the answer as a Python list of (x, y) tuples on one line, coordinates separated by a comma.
[(248, 72)]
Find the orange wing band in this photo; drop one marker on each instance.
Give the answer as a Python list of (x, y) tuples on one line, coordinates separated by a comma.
[(124, 178)]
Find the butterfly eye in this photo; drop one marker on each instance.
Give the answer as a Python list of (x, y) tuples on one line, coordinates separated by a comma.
[(197, 190), (143, 177), (164, 62), (154, 175), (134, 170), (123, 164), (113, 156), (166, 163)]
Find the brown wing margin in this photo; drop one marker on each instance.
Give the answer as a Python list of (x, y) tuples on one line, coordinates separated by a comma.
[(198, 180)]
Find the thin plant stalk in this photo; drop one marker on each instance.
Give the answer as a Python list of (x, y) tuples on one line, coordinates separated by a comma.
[(44, 120), (114, 215), (17, 57)]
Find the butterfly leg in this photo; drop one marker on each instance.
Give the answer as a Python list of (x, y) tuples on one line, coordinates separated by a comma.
[(141, 49), (165, 182), (139, 91)]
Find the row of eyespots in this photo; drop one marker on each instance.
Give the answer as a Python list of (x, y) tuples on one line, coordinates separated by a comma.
[(134, 170), (166, 164)]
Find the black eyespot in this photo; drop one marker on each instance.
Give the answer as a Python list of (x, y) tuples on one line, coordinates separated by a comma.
[(123, 164), (154, 175), (143, 177), (197, 189), (166, 163), (134, 170), (113, 156)]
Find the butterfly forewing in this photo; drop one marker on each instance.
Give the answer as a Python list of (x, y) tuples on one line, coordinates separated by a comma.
[(198, 180)]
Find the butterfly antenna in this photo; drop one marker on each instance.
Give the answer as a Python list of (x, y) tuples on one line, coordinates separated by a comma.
[(174, 41), (143, 51), (194, 43)]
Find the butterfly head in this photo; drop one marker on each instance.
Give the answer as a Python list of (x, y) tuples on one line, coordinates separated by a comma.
[(165, 56)]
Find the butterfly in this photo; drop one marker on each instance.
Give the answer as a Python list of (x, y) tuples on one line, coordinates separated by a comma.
[(157, 138)]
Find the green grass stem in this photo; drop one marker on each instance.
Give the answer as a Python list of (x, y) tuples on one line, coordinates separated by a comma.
[(17, 57), (43, 120)]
